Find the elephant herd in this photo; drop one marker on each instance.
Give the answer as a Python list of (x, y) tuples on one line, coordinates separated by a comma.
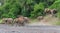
[(48, 11), (21, 20)]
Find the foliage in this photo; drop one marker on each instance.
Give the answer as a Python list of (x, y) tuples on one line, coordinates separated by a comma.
[(38, 10), (29, 8), (56, 5)]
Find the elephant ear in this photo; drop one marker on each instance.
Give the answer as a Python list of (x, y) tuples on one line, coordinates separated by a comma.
[(54, 11), (46, 9)]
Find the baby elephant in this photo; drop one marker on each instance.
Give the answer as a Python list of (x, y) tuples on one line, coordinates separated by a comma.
[(26, 20), (7, 20), (40, 18)]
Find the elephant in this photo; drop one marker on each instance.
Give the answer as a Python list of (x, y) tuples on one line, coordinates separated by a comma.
[(48, 11), (7, 20), (21, 21), (53, 12), (40, 18)]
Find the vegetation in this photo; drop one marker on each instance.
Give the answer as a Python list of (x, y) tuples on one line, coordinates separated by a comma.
[(29, 8), (56, 5)]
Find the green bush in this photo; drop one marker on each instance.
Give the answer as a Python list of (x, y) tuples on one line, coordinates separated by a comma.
[(29, 8), (10, 9), (56, 5), (38, 10)]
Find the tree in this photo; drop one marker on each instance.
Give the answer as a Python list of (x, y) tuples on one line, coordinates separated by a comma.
[(29, 8), (38, 10), (56, 5)]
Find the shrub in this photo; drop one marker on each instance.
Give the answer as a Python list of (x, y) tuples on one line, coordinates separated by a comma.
[(56, 5), (38, 10)]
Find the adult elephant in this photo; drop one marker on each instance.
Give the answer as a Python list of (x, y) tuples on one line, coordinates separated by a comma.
[(7, 20), (53, 12), (48, 11), (21, 21)]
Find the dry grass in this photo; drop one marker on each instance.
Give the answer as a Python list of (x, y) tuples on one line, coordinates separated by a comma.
[(48, 20)]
